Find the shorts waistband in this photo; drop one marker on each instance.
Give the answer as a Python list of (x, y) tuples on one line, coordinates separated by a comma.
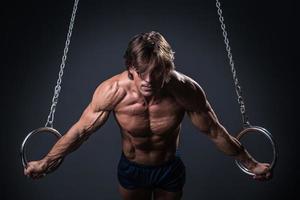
[(123, 157)]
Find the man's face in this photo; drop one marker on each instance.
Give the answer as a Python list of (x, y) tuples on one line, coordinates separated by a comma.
[(148, 82)]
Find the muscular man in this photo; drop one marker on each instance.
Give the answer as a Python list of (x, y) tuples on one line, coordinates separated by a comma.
[(149, 101)]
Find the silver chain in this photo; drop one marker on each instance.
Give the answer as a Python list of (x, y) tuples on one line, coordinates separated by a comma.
[(238, 88), (57, 88)]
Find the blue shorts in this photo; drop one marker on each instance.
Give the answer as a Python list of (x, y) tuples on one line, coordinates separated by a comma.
[(169, 176)]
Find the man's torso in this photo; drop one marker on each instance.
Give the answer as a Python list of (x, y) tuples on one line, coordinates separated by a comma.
[(150, 131)]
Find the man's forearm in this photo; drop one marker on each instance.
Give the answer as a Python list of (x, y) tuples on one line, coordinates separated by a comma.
[(232, 147), (65, 145)]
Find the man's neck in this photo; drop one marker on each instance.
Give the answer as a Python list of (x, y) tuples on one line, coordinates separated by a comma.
[(155, 98), (149, 100)]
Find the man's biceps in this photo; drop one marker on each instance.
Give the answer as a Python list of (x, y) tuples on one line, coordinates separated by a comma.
[(98, 121), (202, 121), (196, 118), (101, 118), (98, 117), (91, 118), (197, 104)]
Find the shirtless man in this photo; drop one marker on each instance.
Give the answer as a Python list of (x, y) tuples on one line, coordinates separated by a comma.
[(149, 101)]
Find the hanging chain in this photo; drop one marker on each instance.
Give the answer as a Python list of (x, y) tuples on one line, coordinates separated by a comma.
[(238, 88), (57, 88)]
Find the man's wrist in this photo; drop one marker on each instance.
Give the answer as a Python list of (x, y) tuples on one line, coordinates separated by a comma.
[(248, 161), (45, 161), (49, 160)]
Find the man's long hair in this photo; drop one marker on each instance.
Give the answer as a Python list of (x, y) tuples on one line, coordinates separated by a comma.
[(149, 50)]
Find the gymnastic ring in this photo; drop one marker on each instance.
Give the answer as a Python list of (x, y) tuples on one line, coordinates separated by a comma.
[(267, 134), (34, 132)]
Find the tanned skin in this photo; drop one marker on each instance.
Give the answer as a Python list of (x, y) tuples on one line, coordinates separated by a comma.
[(149, 111)]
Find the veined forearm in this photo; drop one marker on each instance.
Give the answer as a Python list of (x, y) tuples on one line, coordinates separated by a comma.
[(232, 147), (78, 133), (65, 145)]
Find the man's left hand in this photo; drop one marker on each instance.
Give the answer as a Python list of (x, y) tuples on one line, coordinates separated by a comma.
[(262, 172)]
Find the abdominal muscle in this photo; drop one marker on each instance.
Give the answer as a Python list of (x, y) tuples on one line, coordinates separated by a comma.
[(149, 150)]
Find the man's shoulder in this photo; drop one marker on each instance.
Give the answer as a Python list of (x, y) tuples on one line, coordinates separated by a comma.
[(115, 82), (185, 89), (110, 91), (181, 81)]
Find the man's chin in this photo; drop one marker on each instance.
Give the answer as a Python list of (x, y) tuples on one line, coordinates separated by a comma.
[(147, 93)]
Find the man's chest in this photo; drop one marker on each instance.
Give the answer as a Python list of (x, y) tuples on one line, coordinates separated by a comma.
[(136, 117)]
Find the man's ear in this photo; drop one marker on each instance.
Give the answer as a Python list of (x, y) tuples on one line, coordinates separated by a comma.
[(130, 72), (131, 69)]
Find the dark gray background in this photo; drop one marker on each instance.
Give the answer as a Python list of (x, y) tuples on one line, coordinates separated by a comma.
[(262, 39)]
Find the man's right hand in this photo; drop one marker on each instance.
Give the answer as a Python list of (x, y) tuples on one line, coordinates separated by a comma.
[(36, 169)]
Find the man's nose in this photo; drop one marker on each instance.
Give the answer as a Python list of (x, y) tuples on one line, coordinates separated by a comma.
[(148, 78)]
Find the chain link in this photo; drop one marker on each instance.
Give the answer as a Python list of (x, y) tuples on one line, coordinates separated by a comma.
[(57, 88), (238, 88)]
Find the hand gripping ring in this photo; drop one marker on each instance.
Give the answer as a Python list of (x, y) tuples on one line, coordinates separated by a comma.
[(267, 134), (34, 132)]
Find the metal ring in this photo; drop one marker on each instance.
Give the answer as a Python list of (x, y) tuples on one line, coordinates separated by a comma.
[(267, 134), (34, 132)]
